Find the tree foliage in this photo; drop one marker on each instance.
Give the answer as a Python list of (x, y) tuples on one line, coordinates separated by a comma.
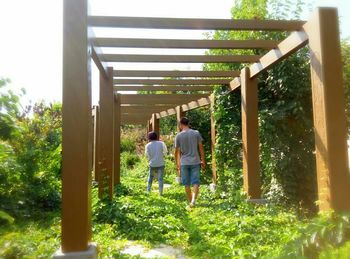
[(285, 117)]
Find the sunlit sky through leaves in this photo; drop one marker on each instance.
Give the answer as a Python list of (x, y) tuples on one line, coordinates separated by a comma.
[(31, 37)]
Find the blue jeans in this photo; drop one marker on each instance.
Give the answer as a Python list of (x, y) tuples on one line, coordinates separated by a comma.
[(159, 171), (190, 174)]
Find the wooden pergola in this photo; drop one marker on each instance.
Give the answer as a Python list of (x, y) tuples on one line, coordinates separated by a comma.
[(86, 140)]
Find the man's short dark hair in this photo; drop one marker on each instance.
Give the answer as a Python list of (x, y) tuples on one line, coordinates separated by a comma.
[(152, 135), (184, 121)]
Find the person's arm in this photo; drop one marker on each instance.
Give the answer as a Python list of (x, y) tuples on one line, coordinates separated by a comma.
[(165, 150), (177, 160), (146, 152), (202, 154)]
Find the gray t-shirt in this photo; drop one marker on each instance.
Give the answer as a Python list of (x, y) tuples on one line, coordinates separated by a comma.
[(188, 141), (155, 152)]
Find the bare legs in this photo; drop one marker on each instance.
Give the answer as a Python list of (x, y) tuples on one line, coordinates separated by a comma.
[(192, 197)]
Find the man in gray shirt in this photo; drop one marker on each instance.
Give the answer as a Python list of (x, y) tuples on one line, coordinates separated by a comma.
[(189, 158)]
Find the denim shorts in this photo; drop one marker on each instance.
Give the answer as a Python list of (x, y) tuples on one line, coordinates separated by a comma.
[(190, 174)]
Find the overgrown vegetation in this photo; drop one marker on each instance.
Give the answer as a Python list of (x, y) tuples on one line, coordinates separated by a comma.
[(223, 224)]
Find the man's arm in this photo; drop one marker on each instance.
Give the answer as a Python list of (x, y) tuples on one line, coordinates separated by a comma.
[(201, 152), (177, 160), (165, 150)]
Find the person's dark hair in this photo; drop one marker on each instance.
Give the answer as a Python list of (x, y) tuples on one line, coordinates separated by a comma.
[(184, 121), (152, 135)]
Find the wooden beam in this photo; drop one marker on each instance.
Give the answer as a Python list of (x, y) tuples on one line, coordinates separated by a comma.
[(116, 138), (166, 113), (133, 121), (77, 129), (159, 98), (180, 58), (179, 114), (155, 124), (195, 24), (196, 104), (171, 81), (213, 140), (288, 46), (329, 111), (183, 44), (107, 131), (164, 88), (96, 58), (235, 83), (185, 107), (174, 73), (96, 157), (250, 136), (145, 109)]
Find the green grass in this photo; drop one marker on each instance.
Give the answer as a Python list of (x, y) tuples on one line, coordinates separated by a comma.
[(221, 225)]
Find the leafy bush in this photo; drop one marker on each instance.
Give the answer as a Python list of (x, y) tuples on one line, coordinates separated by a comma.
[(127, 145), (322, 235), (5, 218), (129, 159)]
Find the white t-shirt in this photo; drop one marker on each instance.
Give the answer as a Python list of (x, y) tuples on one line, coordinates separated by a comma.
[(155, 152)]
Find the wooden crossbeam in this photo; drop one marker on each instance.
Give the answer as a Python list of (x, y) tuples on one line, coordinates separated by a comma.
[(164, 88), (134, 121), (145, 109), (180, 58), (176, 99), (196, 24), (196, 104), (174, 73), (171, 81), (288, 46), (184, 44), (186, 107)]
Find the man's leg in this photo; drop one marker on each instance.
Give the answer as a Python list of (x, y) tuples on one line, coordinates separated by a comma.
[(150, 180), (186, 181), (195, 179), (188, 193)]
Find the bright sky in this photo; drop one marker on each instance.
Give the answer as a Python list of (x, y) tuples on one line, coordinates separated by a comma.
[(31, 36)]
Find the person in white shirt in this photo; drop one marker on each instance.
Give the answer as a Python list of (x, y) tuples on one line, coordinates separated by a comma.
[(155, 152)]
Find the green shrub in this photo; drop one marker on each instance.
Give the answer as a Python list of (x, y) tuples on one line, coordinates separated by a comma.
[(323, 234), (5, 218), (127, 145), (129, 160)]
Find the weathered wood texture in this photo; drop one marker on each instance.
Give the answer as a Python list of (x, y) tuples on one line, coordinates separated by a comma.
[(180, 44), (159, 98), (116, 138), (171, 81), (329, 111), (96, 152), (77, 129), (213, 140), (107, 131), (170, 88), (155, 124), (179, 114), (195, 24), (250, 135), (180, 58), (174, 73)]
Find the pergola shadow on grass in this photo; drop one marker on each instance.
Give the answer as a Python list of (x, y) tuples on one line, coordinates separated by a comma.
[(95, 143)]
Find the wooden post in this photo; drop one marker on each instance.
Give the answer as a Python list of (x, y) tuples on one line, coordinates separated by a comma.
[(250, 135), (213, 140), (116, 141), (77, 129), (155, 124), (329, 111), (96, 152), (106, 129), (179, 114)]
